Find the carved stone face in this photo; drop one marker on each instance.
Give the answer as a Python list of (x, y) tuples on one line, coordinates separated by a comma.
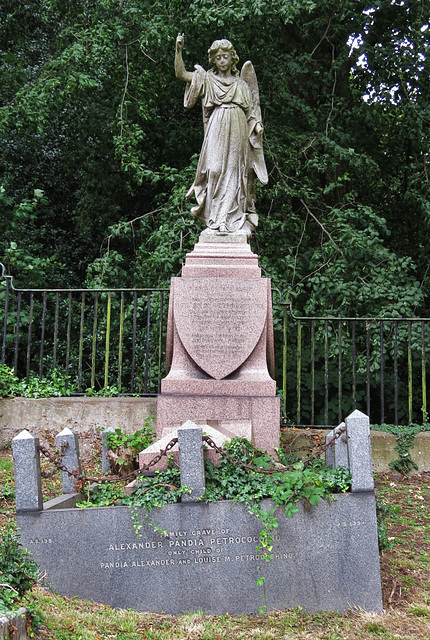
[(223, 61)]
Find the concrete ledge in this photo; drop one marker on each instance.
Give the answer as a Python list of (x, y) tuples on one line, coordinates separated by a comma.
[(67, 501), (81, 414), (420, 452), (13, 625), (383, 446)]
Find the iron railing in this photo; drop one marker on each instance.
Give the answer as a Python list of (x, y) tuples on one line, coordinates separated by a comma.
[(326, 366), (98, 338), (332, 366)]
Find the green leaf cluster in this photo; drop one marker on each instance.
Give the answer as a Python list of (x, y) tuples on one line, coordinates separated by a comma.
[(18, 571), (56, 384), (231, 480), (136, 441)]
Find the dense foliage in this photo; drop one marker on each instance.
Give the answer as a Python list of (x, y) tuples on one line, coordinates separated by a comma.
[(124, 448), (18, 571), (97, 152), (11, 386)]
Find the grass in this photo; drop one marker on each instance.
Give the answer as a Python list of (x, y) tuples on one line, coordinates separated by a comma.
[(405, 573), (72, 619)]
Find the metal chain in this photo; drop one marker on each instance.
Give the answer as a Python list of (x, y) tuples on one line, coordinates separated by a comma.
[(56, 461), (279, 467), (50, 474)]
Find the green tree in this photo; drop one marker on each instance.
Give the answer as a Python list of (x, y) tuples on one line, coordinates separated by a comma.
[(92, 117)]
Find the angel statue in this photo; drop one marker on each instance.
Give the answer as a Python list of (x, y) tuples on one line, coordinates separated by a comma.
[(232, 152)]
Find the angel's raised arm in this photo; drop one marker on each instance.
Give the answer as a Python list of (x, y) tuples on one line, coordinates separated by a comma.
[(180, 70)]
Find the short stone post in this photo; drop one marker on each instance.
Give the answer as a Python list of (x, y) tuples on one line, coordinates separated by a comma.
[(336, 454), (28, 484), (14, 625), (359, 451), (105, 450), (191, 462), (68, 448)]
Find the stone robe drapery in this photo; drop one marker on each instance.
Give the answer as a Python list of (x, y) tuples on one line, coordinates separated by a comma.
[(231, 152)]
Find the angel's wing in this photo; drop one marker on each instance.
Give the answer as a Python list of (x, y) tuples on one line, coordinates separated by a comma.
[(248, 74), (257, 156)]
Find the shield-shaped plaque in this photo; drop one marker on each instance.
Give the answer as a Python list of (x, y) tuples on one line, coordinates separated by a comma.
[(219, 320)]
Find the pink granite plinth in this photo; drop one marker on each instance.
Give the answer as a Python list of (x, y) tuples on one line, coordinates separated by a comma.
[(220, 354), (221, 259), (228, 413)]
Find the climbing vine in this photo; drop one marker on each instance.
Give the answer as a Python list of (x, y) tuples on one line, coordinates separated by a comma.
[(405, 438), (230, 480)]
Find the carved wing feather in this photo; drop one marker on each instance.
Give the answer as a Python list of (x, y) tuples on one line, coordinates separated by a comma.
[(257, 156), (248, 74)]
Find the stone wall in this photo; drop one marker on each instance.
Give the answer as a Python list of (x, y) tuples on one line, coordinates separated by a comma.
[(87, 415), (83, 415), (383, 446)]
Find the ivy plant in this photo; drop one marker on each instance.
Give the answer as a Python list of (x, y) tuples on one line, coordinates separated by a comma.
[(56, 384), (125, 447), (136, 441), (18, 571), (405, 437), (240, 477)]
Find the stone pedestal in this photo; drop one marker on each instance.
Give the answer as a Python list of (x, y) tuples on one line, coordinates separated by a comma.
[(220, 358)]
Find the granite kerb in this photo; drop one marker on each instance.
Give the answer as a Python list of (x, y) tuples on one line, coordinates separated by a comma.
[(13, 625), (324, 558)]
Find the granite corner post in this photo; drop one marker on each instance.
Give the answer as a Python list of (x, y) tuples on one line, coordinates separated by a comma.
[(359, 451), (105, 450), (68, 448), (191, 461), (28, 482), (349, 446)]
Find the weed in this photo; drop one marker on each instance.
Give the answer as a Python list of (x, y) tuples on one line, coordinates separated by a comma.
[(125, 447), (383, 510), (6, 465), (104, 495), (420, 611), (375, 627), (7, 491), (18, 572), (105, 392), (57, 384), (136, 441)]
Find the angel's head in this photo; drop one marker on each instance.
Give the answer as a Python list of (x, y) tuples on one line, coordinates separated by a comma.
[(221, 52)]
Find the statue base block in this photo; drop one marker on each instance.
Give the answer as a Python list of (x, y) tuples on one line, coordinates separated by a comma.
[(254, 418), (220, 358)]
